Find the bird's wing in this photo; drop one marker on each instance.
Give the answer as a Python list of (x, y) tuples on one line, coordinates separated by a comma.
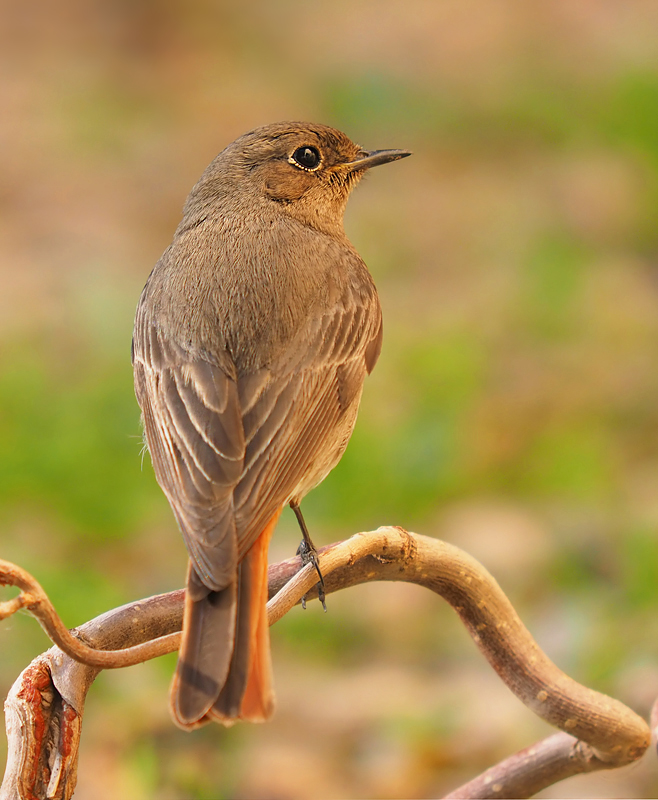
[(292, 411), (230, 452), (194, 432)]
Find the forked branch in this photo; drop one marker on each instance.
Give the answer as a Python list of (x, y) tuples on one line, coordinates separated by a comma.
[(45, 706)]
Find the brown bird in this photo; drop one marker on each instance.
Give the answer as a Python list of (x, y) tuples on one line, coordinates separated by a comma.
[(253, 337)]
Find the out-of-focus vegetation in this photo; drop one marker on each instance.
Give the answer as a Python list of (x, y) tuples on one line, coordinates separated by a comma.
[(514, 410)]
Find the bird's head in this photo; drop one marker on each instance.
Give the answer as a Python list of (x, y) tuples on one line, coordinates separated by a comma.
[(308, 170)]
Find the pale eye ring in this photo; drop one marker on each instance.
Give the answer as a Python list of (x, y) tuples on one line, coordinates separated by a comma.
[(307, 157)]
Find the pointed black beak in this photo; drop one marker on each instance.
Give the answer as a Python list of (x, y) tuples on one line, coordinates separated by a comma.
[(374, 158)]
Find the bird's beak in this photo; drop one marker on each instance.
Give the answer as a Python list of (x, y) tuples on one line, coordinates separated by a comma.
[(374, 158)]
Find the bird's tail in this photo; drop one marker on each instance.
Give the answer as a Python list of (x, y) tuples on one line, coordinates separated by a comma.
[(224, 670)]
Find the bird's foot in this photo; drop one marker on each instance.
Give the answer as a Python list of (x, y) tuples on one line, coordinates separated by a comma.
[(309, 555)]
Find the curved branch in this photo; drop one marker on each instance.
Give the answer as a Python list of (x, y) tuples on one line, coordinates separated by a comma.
[(617, 734), (33, 599), (613, 734)]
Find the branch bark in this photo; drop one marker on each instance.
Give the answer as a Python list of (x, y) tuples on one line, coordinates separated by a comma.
[(530, 770), (45, 706)]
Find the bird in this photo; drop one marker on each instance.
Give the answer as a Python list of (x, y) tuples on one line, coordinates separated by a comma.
[(253, 337)]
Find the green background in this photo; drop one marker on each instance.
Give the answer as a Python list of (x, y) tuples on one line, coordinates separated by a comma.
[(514, 410)]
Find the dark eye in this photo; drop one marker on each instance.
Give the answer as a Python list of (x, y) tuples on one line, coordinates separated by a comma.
[(306, 157)]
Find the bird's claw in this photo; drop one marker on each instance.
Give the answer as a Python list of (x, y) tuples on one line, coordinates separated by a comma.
[(309, 555)]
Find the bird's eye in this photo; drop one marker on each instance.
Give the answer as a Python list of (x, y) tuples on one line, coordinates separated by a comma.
[(306, 157)]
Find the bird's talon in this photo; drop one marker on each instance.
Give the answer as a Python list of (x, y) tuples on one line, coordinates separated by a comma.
[(309, 555)]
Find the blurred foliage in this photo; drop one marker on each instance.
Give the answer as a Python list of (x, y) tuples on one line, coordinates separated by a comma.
[(64, 442)]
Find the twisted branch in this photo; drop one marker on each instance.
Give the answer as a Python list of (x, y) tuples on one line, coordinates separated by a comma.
[(33, 599), (600, 732)]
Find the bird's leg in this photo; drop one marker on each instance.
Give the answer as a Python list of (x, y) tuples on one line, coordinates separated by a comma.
[(308, 554)]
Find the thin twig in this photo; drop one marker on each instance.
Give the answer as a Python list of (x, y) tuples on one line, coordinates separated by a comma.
[(33, 599)]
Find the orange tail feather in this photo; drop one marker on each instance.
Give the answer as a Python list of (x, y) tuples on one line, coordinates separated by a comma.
[(258, 700), (248, 692)]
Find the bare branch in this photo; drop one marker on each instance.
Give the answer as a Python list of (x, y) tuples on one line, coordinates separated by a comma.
[(607, 733), (530, 770), (618, 735), (43, 733), (44, 707), (33, 599)]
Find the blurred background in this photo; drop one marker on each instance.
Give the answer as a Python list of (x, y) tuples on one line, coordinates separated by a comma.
[(514, 410)]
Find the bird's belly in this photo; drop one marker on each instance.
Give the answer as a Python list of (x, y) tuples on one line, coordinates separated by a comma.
[(329, 454)]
